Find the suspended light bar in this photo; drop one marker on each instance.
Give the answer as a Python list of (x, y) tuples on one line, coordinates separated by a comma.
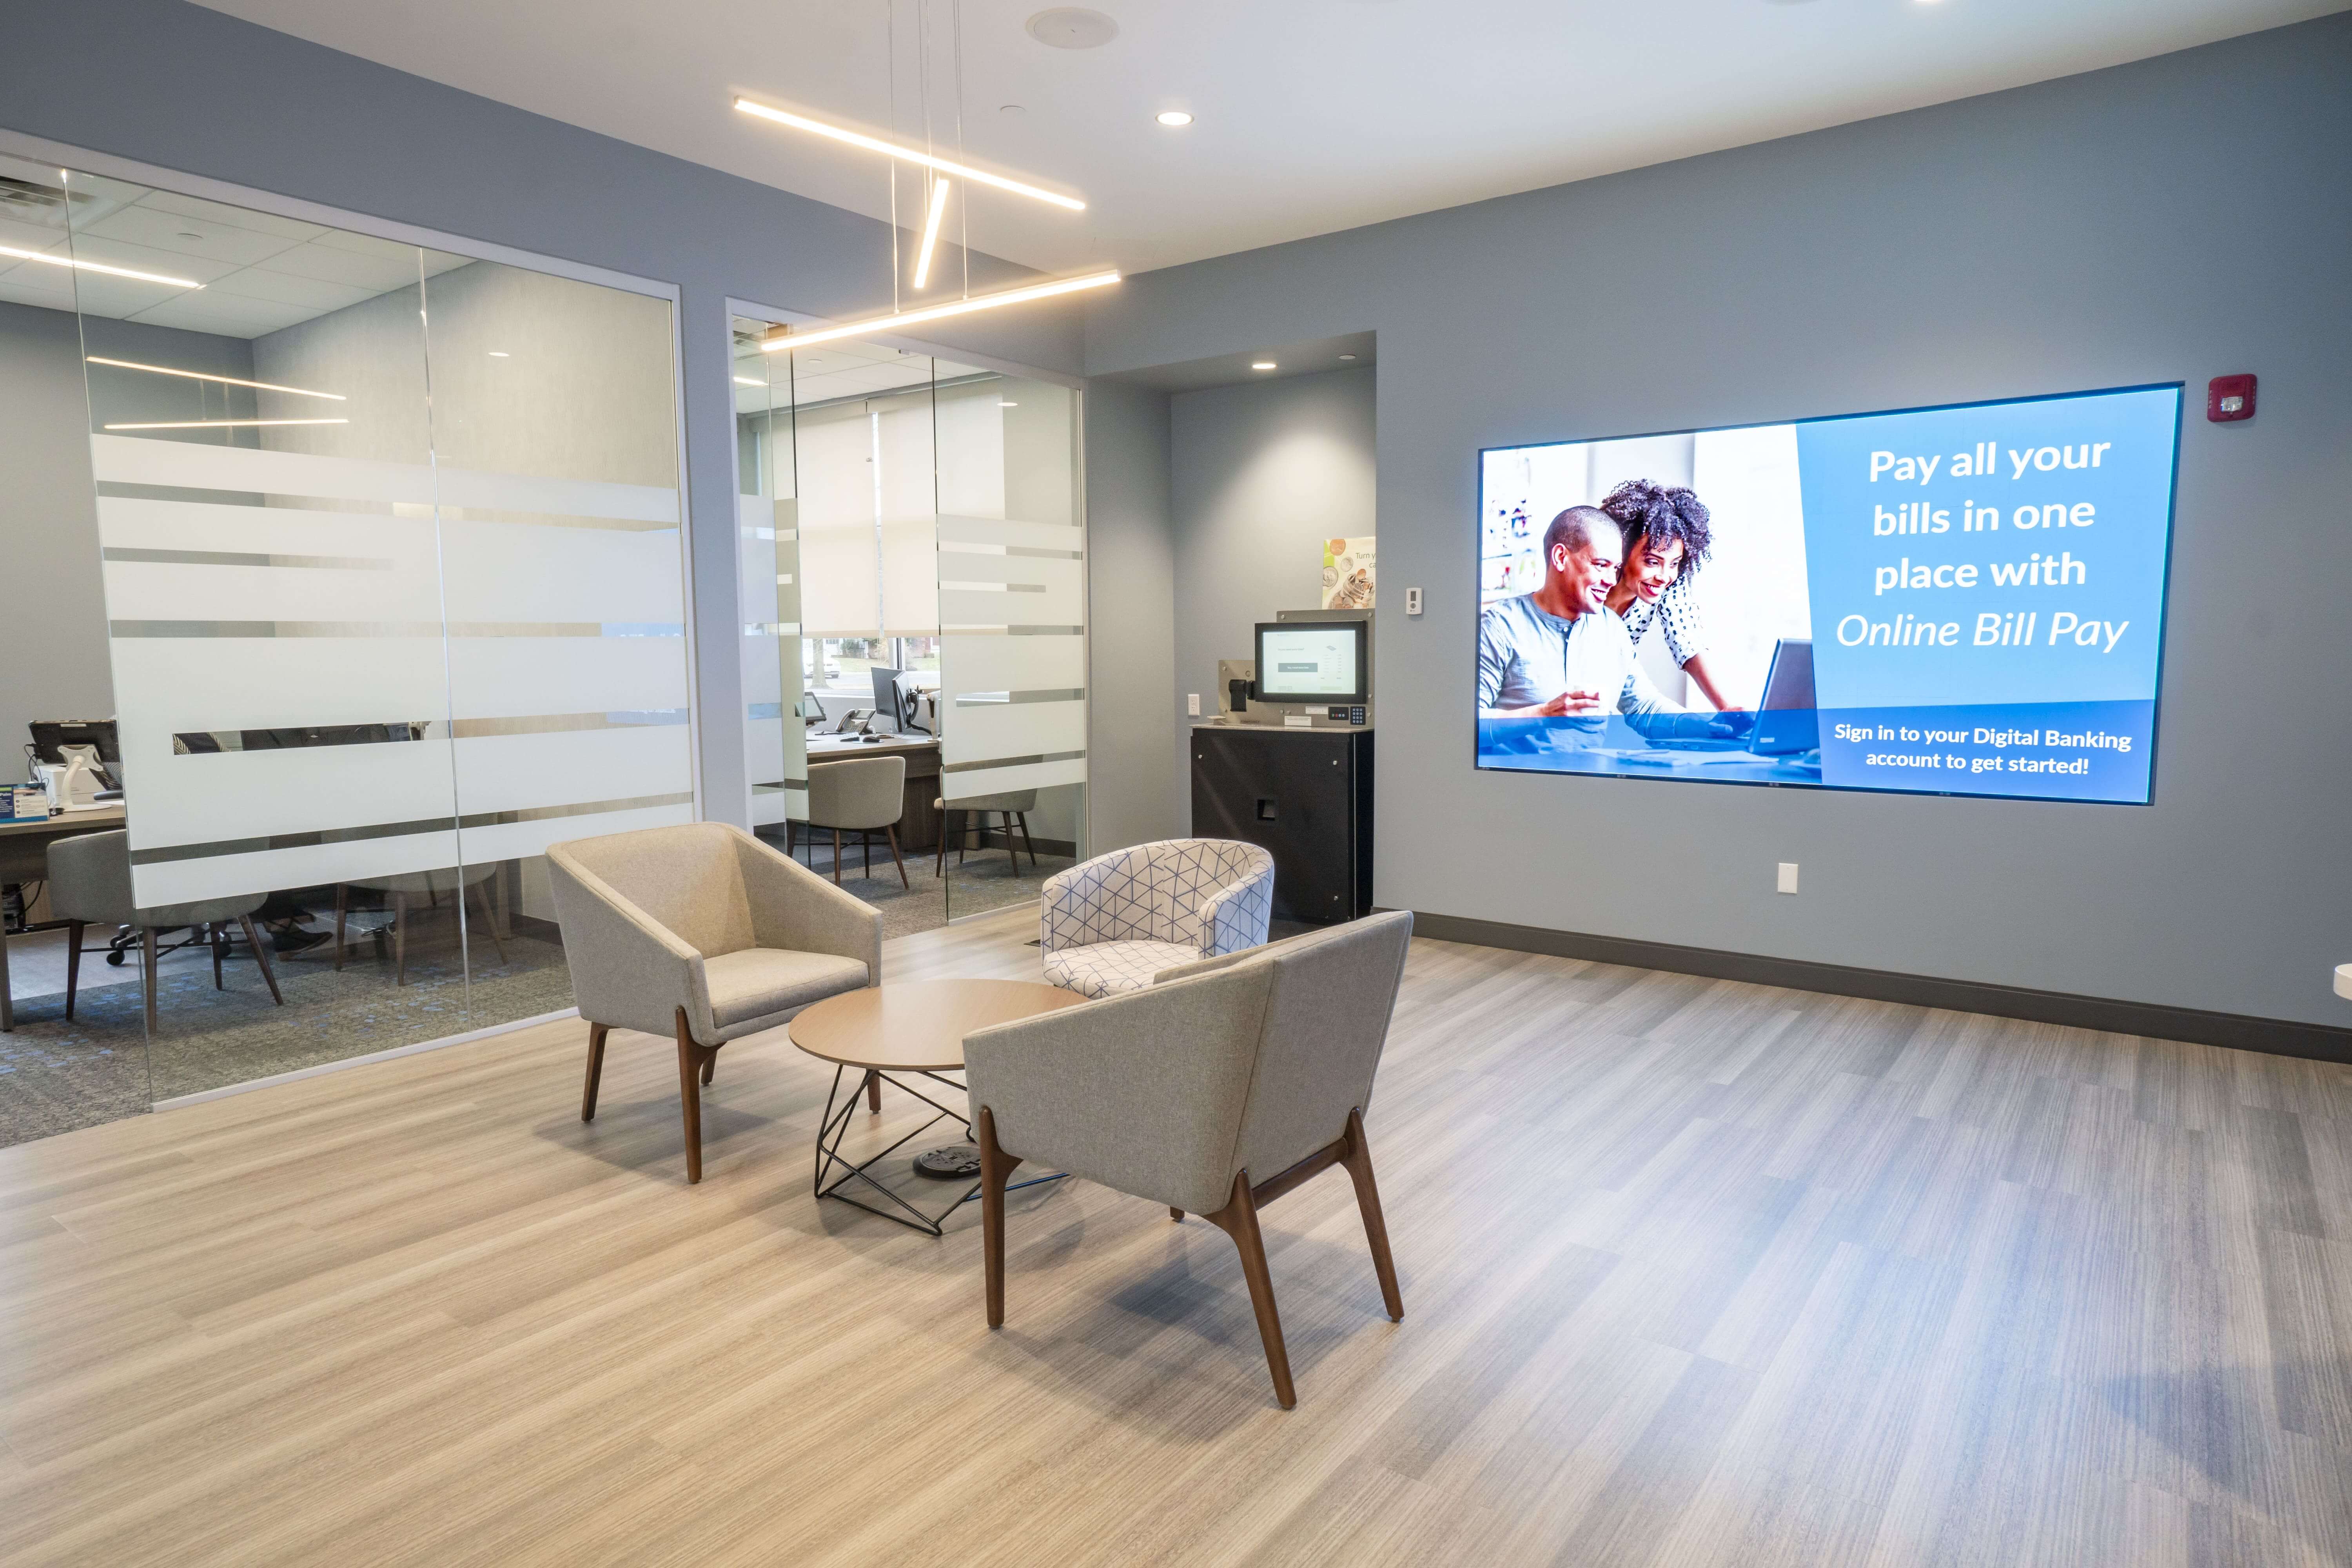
[(930, 232), (803, 337), (893, 150), (224, 380), (222, 424), (80, 266)]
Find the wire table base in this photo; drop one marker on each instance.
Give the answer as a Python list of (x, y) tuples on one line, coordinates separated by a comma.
[(835, 1126)]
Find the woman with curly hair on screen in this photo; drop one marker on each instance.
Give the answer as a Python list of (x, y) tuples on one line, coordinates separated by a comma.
[(1666, 539)]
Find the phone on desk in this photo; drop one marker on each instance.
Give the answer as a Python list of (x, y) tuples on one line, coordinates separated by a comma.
[(859, 720)]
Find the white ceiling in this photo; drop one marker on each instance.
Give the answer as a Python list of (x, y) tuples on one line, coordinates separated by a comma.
[(1313, 115), (241, 273)]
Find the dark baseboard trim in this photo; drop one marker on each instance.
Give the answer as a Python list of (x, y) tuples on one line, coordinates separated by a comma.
[(2277, 1036)]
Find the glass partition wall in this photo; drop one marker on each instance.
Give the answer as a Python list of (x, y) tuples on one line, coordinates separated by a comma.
[(928, 557), (389, 547)]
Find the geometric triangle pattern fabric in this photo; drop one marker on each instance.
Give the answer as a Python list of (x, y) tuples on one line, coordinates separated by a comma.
[(1207, 896)]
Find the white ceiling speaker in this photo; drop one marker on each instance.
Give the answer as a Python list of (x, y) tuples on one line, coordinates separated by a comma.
[(1072, 27)]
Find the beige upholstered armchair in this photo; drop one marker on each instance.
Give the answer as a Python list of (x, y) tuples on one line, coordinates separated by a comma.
[(1214, 1092), (705, 932)]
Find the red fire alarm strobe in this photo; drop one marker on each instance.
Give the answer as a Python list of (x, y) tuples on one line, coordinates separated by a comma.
[(2229, 397)]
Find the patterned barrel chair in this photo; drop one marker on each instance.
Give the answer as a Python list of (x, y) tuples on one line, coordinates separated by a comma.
[(1114, 923)]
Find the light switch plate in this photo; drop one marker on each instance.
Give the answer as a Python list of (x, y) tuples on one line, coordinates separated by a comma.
[(1788, 876), (1192, 704), (1412, 601)]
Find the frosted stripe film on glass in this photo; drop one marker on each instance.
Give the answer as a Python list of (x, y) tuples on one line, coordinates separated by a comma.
[(763, 669), (998, 644), (351, 643)]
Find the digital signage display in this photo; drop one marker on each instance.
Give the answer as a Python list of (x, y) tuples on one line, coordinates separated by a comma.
[(1964, 600)]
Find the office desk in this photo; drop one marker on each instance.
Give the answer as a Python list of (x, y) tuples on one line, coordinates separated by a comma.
[(918, 828), (25, 858)]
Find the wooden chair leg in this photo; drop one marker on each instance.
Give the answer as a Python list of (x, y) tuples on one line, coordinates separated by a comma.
[(1359, 1161), (400, 939), (709, 1064), (1176, 1214), (261, 956), (836, 857), (996, 1168), (865, 839), (1238, 1219), (596, 1032), (873, 1093), (689, 1094), (73, 963), (147, 973), (897, 861), (214, 940), (1029, 841), (342, 897), (490, 918)]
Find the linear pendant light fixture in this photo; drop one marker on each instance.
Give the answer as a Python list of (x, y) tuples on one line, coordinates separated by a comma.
[(80, 266), (805, 337), (931, 232), (909, 154), (224, 380)]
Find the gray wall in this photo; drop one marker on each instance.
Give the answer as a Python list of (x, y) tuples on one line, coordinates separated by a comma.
[(57, 664), (2177, 218), (1262, 475), (190, 90), (1132, 747)]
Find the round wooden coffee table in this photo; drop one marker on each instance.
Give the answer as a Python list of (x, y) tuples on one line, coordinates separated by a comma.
[(899, 1034)]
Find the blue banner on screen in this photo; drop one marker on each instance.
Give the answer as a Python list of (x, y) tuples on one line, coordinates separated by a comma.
[(1951, 600)]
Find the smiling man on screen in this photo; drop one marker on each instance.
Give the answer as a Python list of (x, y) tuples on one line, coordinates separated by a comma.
[(1559, 652)]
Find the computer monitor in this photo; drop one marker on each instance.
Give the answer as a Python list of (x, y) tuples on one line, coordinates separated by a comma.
[(1785, 722), (1311, 661), (886, 694), (52, 736)]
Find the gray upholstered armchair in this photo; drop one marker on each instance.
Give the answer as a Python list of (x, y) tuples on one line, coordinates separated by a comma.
[(1214, 1092), (702, 931)]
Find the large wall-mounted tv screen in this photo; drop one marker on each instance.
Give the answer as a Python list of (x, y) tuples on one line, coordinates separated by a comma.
[(1966, 600)]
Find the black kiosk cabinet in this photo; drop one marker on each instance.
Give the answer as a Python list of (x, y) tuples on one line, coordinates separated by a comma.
[(1306, 797)]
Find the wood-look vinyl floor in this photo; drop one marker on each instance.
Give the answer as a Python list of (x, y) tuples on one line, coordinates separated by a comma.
[(1695, 1273)]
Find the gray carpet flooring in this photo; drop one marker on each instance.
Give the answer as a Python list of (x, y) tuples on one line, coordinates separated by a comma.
[(986, 880), (58, 1074)]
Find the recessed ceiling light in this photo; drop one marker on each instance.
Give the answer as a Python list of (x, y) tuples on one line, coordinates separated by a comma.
[(1173, 117), (500, 353), (1011, 110), (1264, 365), (1347, 356), (1003, 403)]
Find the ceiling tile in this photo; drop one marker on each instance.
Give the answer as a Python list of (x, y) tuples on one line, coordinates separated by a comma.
[(236, 218), (183, 236), (316, 294), (378, 272)]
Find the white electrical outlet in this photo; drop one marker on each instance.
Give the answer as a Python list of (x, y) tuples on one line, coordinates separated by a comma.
[(1192, 704), (1412, 601), (1788, 876)]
